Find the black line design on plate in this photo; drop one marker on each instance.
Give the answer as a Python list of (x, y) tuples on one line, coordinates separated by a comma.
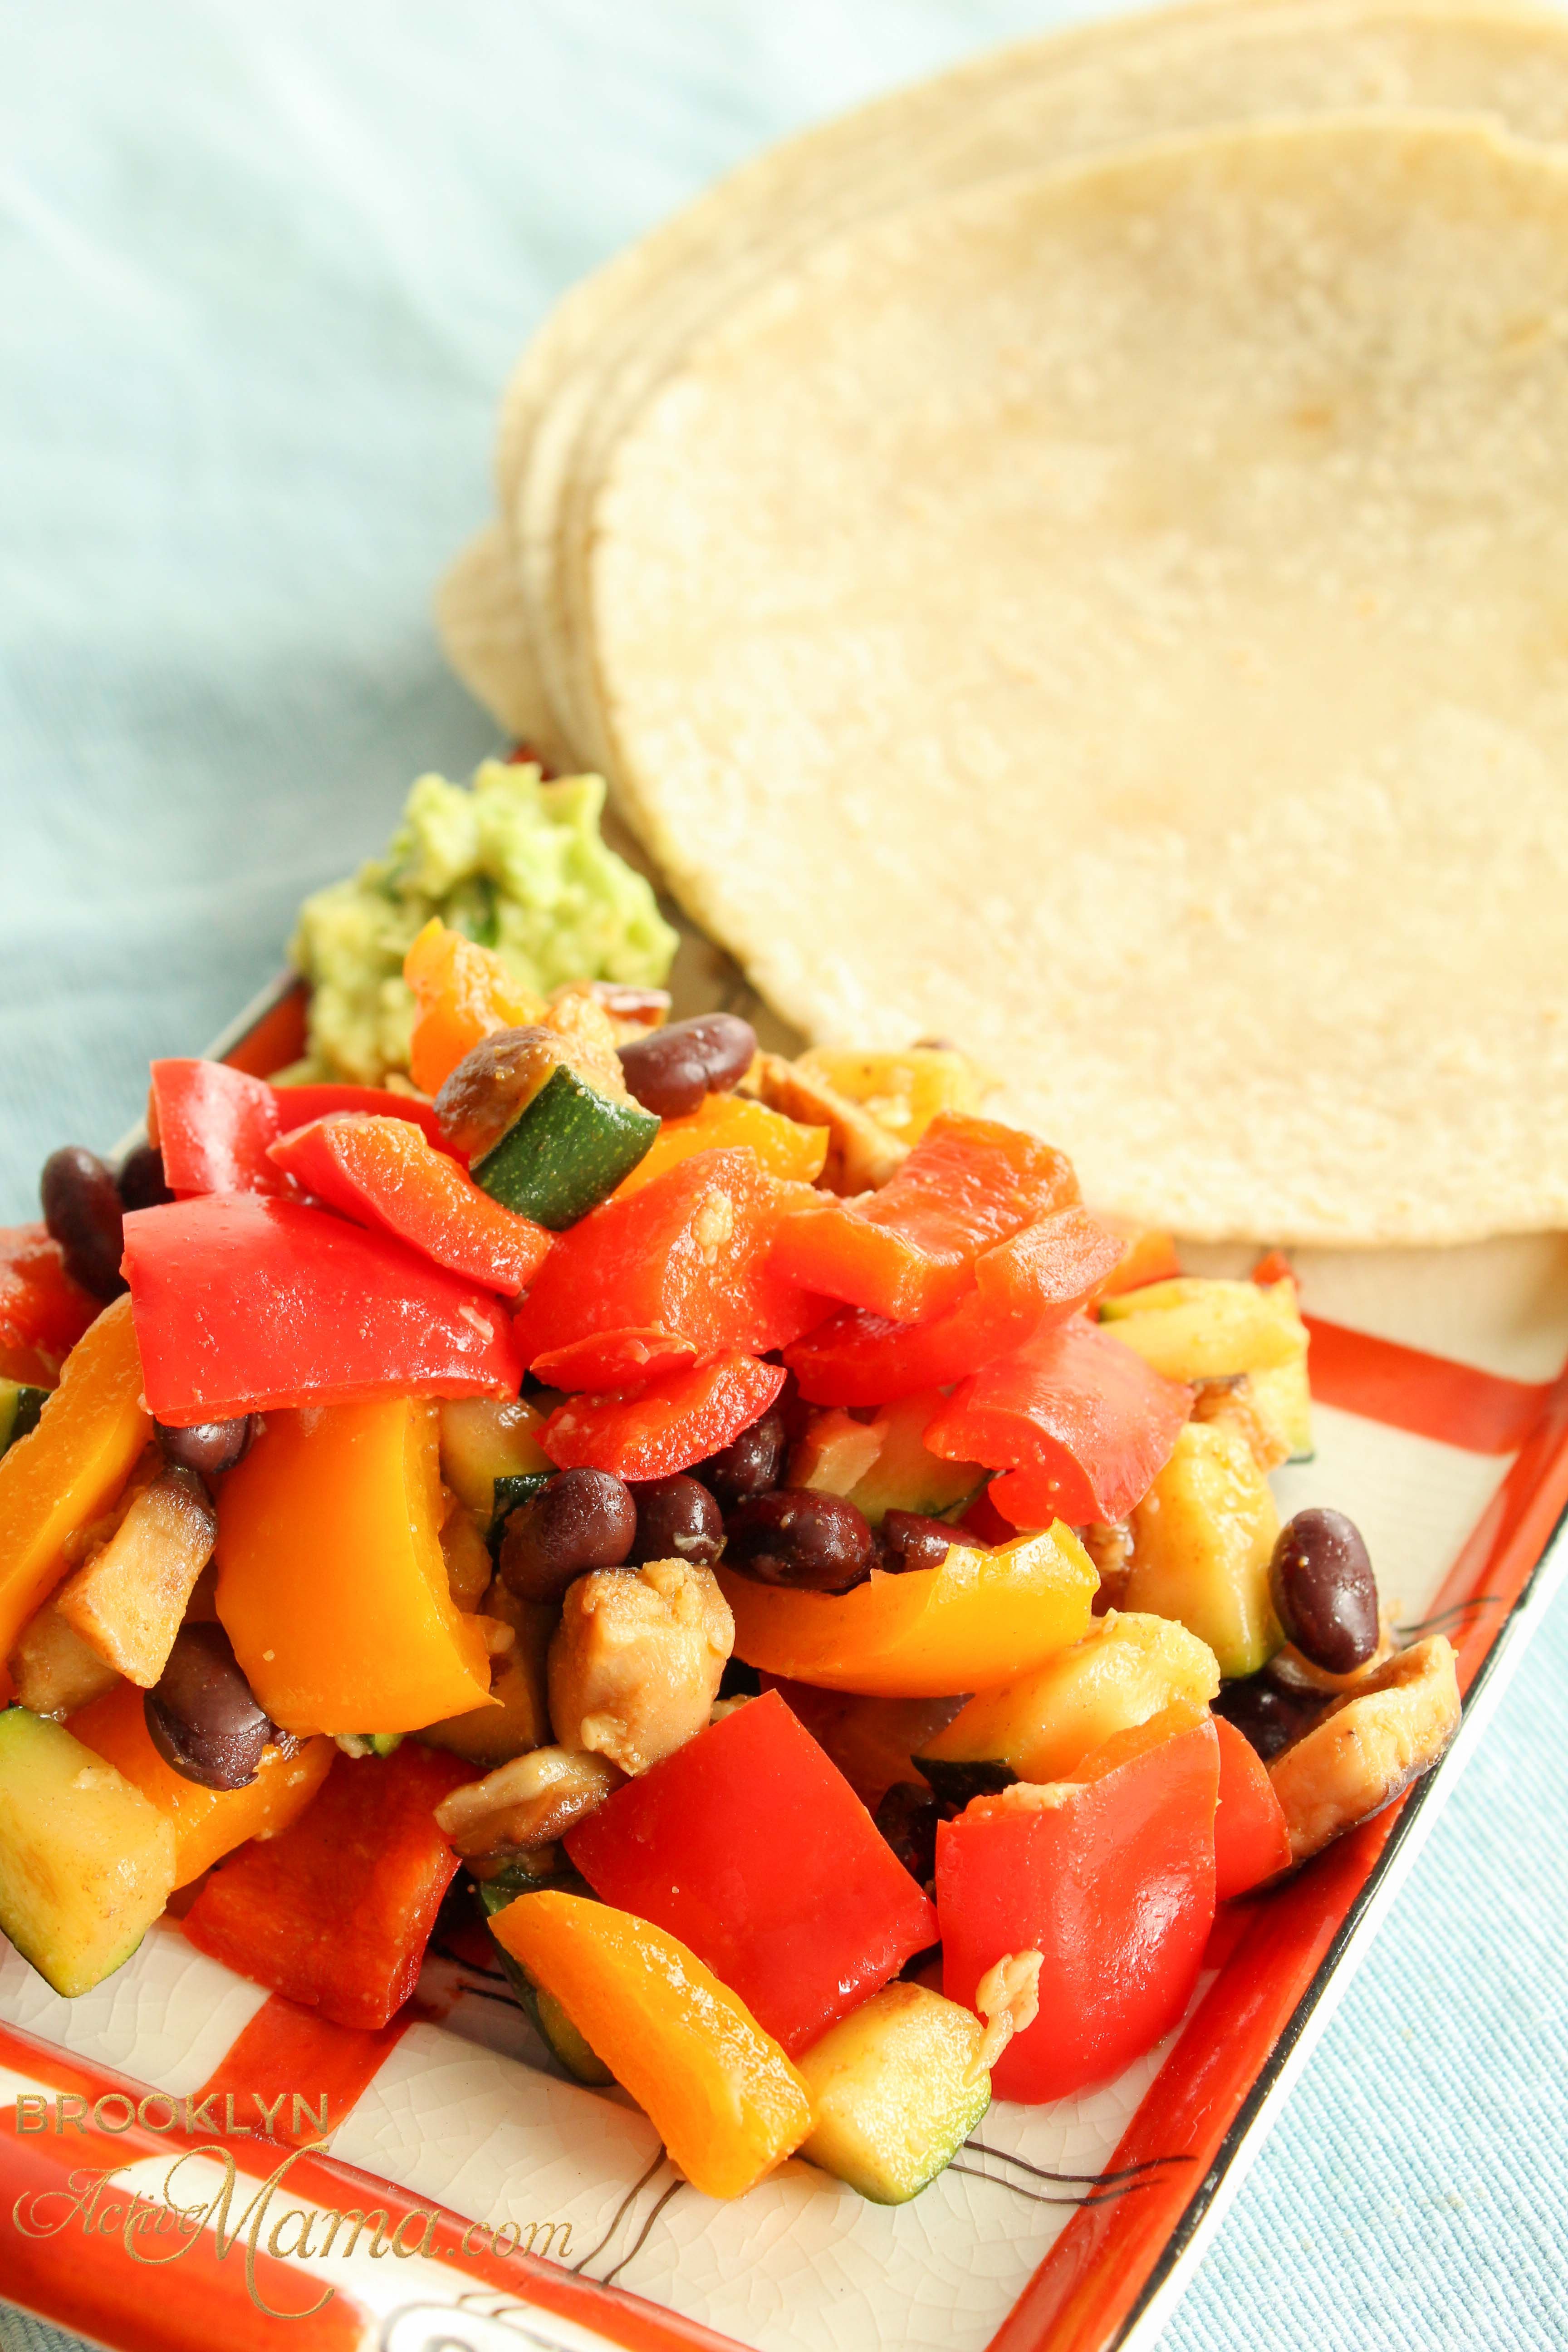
[(1033, 2196), (1090, 2180), (1452, 1615), (627, 2201), (642, 2234)]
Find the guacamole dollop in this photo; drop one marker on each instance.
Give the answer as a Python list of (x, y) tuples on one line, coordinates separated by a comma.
[(517, 864)]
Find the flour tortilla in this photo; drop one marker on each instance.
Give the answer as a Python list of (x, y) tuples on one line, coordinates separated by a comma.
[(1116, 620), (1044, 102)]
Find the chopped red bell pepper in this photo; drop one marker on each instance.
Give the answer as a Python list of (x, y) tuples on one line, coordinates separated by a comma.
[(383, 1173), (298, 1105), (43, 1313), (336, 1910), (752, 1848), (906, 1252), (668, 1425), (687, 1254), (1038, 1276), (1251, 1841), (1113, 1881), (614, 1359), (243, 1304), (1079, 1422), (213, 1124)]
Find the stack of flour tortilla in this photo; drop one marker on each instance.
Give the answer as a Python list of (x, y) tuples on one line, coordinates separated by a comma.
[(1073, 559)]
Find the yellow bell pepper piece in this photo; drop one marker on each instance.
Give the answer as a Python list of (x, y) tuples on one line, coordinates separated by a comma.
[(983, 1617), (783, 1145), (720, 2091), (331, 1583), (208, 1822), (66, 1474)]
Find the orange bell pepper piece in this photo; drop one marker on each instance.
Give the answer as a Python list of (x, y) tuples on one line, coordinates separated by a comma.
[(208, 1822), (1149, 1256), (908, 1252), (982, 1617), (719, 2091), (331, 1583), (71, 1469), (43, 1313), (464, 994), (782, 1147)]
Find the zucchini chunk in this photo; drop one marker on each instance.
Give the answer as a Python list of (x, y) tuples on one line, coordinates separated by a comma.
[(490, 1454), (1040, 1727), (1194, 1328), (567, 1150), (87, 1862), (906, 1475), (1203, 1537), (896, 2087)]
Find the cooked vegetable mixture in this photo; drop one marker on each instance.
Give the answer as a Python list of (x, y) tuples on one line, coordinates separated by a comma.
[(817, 1582)]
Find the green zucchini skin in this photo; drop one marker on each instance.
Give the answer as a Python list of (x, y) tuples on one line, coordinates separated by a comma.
[(956, 1783), (19, 1409), (567, 1152)]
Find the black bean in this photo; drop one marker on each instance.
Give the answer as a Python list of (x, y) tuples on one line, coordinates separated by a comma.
[(141, 1181), (752, 1465), (907, 1817), (82, 1211), (909, 1539), (202, 1715), (676, 1519), (1268, 1715), (580, 1519), (816, 1543), (210, 1447), (671, 1071), (1325, 1594)]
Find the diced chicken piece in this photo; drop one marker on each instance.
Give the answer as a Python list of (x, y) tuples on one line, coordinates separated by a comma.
[(861, 1154), (127, 1600), (1369, 1747), (633, 1012), (526, 1804), (54, 1671), (636, 1663)]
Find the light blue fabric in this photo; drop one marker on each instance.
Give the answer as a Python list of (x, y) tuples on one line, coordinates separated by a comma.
[(263, 268)]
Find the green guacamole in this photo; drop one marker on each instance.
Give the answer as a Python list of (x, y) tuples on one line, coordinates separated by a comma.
[(514, 864)]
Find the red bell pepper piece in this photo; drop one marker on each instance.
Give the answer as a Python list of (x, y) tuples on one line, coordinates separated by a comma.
[(1081, 1423), (687, 1254), (668, 1425), (1113, 1883), (43, 1313), (298, 1105), (243, 1305), (1251, 1841), (614, 1359), (213, 1124), (1038, 1275), (906, 1252), (383, 1173), (752, 1847), (336, 1910)]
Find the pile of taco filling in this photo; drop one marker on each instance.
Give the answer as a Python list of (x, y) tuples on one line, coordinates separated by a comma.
[(817, 1582)]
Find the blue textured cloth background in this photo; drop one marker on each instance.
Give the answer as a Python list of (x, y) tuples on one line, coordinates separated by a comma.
[(263, 269)]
